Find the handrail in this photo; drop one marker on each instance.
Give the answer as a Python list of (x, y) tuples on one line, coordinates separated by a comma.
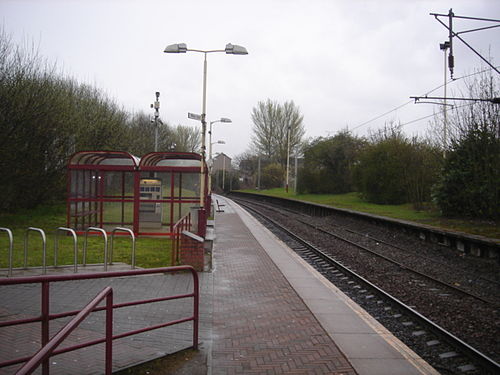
[(44, 241), (75, 245), (45, 352), (105, 236), (182, 224), (45, 317), (129, 231), (11, 245)]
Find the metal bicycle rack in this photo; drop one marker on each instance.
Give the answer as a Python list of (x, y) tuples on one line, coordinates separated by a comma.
[(11, 243), (129, 231), (75, 245), (44, 240), (105, 236)]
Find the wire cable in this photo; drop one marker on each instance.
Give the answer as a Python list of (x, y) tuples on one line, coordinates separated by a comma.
[(411, 101)]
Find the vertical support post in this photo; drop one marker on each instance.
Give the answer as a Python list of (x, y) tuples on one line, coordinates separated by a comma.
[(109, 333), (180, 196), (137, 192), (258, 174), (45, 323), (296, 174), (445, 116), (196, 303), (11, 246), (123, 198), (223, 172), (172, 199), (101, 199), (287, 158), (451, 59), (68, 195), (203, 135)]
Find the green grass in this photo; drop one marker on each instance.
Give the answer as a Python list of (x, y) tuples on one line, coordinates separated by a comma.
[(431, 217), (150, 252)]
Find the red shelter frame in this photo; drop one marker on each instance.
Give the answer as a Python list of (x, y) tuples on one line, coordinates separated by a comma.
[(107, 189)]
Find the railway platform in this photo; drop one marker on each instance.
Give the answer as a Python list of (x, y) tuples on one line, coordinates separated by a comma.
[(274, 314), (263, 310)]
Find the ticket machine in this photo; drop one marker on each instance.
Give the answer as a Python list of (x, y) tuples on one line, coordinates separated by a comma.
[(150, 213)]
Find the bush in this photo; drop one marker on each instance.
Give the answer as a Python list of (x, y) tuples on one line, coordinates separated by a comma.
[(470, 183), (395, 170)]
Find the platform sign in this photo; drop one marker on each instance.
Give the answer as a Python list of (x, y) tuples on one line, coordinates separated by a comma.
[(194, 116)]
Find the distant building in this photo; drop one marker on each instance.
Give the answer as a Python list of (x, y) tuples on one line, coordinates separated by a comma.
[(221, 162)]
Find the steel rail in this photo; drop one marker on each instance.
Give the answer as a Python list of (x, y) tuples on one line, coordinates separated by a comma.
[(451, 339), (399, 264), (277, 210)]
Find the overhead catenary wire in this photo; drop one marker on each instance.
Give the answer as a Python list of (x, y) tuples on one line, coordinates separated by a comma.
[(433, 115), (412, 101)]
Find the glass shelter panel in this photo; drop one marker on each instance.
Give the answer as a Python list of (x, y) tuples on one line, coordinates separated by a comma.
[(100, 198)]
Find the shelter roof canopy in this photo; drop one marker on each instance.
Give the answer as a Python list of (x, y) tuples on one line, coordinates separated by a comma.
[(171, 159), (118, 158)]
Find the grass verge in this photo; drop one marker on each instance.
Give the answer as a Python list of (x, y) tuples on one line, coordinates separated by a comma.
[(150, 252)]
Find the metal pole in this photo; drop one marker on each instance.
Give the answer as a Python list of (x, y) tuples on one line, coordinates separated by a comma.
[(445, 124), (157, 114), (258, 175), (210, 161), (450, 36), (295, 180), (203, 131), (287, 158), (223, 171)]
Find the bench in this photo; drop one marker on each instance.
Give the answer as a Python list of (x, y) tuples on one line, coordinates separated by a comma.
[(219, 209)]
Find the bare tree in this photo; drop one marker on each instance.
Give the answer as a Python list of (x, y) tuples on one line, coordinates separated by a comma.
[(186, 139), (273, 122)]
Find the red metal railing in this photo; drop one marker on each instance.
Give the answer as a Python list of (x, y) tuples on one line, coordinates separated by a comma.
[(183, 224), (45, 352), (45, 316)]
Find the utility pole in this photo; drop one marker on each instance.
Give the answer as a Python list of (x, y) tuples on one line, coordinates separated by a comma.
[(296, 170), (287, 158), (444, 46), (156, 106), (258, 174)]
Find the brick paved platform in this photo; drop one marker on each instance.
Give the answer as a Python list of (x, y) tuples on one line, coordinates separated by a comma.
[(274, 314), (262, 311)]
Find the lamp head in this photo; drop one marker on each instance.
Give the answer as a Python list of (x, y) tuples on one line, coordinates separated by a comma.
[(176, 48), (224, 119), (233, 49)]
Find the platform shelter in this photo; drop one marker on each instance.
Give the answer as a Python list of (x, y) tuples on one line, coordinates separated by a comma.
[(149, 195)]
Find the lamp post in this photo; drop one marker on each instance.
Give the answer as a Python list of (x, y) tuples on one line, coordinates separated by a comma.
[(287, 158), (222, 119), (231, 49), (210, 160)]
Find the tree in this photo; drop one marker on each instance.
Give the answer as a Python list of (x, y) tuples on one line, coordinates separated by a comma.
[(272, 176), (186, 139), (329, 164), (272, 124), (393, 169), (470, 182)]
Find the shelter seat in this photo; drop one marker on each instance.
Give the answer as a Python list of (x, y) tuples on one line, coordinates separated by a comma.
[(219, 209)]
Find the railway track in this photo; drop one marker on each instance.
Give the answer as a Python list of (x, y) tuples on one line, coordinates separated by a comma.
[(442, 349)]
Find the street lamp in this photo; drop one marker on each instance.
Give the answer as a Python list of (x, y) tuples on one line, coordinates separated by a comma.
[(210, 161), (287, 158), (231, 49)]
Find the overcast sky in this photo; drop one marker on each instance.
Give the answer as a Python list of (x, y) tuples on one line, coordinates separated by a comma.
[(343, 62)]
